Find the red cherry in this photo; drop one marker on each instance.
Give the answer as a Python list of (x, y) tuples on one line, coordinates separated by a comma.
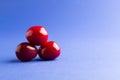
[(37, 35), (49, 51), (26, 51)]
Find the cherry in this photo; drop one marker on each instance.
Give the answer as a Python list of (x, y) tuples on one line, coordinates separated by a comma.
[(37, 35), (49, 51), (26, 51)]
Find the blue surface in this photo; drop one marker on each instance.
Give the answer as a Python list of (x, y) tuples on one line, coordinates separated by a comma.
[(88, 32)]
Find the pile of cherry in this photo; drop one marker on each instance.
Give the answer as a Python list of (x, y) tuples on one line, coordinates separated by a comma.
[(37, 36)]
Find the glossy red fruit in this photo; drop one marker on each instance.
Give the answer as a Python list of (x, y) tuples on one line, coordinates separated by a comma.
[(37, 35), (49, 51), (26, 51)]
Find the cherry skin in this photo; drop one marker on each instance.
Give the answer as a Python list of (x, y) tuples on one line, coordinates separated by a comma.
[(49, 51), (26, 51), (37, 35)]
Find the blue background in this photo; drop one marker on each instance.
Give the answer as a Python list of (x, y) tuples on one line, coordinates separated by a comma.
[(88, 32)]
